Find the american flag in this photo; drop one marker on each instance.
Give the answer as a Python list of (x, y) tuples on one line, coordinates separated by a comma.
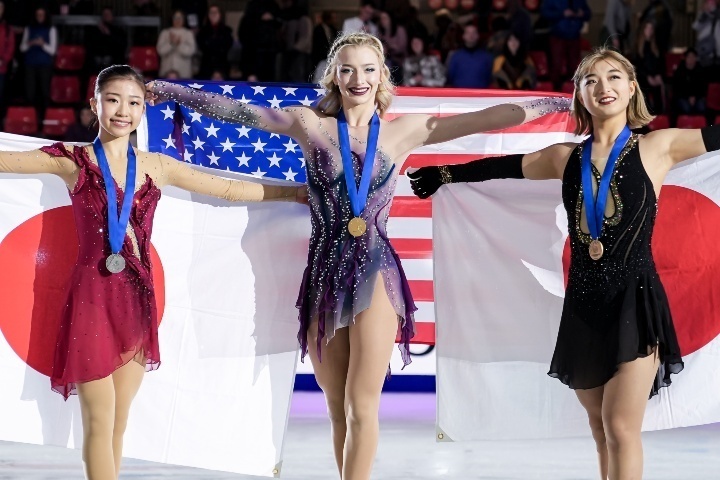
[(243, 150)]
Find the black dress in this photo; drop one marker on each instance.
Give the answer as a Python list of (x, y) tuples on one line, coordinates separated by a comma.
[(615, 308)]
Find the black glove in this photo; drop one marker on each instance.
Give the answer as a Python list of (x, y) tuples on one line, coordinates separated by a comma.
[(426, 180)]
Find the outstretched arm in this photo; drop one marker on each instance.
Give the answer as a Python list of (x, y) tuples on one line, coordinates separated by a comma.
[(427, 129), (182, 176), (546, 164), (226, 109), (674, 145), (37, 161)]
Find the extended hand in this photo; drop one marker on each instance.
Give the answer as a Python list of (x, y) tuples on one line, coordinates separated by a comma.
[(425, 181), (152, 94)]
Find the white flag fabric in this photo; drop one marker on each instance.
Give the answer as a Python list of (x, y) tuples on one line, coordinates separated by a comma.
[(227, 278), (501, 257)]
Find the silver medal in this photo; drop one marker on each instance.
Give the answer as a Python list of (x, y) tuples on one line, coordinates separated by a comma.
[(115, 263)]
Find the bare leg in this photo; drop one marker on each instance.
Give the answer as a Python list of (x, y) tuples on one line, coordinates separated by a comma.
[(623, 409), (127, 380), (372, 339), (591, 400), (331, 374), (97, 405)]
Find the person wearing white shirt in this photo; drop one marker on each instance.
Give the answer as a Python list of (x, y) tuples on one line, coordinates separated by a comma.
[(363, 22)]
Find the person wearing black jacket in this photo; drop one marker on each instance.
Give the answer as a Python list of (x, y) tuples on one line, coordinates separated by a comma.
[(214, 41)]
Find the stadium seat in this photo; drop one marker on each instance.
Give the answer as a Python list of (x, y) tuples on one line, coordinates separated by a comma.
[(691, 121), (57, 121), (70, 57), (544, 86), (21, 120), (713, 96), (144, 59), (540, 60), (65, 89), (659, 122), (90, 88), (568, 87), (671, 62)]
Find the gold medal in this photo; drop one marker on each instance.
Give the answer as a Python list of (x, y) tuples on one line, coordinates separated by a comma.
[(357, 226), (596, 249)]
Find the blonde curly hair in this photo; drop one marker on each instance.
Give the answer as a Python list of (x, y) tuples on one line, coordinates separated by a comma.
[(638, 114), (332, 101)]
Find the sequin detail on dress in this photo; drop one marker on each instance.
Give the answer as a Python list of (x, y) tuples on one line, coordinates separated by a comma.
[(342, 270), (615, 308), (109, 319)]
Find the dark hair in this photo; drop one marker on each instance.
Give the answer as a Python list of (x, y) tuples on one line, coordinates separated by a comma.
[(222, 14), (367, 3), (327, 16), (46, 23), (689, 51), (117, 72)]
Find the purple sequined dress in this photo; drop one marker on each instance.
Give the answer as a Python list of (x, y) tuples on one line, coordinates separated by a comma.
[(342, 270)]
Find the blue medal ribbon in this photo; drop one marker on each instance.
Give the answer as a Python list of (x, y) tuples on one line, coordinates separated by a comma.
[(595, 207), (117, 225), (358, 196)]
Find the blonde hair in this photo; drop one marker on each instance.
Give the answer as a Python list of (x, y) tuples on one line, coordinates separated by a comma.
[(332, 101), (637, 112)]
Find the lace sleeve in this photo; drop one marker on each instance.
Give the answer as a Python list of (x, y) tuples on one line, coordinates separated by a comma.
[(220, 107)]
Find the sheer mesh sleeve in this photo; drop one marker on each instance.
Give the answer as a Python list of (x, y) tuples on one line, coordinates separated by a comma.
[(220, 107), (182, 176), (36, 161)]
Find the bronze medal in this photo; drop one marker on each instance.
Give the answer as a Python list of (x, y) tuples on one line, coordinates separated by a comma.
[(357, 227), (596, 249)]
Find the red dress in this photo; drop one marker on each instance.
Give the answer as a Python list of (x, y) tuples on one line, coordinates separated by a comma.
[(109, 319)]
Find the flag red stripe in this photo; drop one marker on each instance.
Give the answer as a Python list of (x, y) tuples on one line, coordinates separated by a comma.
[(422, 290), (412, 248), (553, 122), (424, 333), (471, 92), (411, 207)]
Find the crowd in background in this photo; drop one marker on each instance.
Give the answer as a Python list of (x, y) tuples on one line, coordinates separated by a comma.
[(279, 40)]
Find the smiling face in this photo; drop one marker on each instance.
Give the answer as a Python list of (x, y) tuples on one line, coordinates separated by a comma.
[(119, 106), (358, 74), (606, 89)]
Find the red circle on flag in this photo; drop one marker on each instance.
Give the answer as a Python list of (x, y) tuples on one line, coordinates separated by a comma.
[(36, 260), (685, 249)]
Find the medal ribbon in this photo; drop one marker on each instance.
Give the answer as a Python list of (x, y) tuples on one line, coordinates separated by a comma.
[(358, 196), (117, 226), (595, 207)]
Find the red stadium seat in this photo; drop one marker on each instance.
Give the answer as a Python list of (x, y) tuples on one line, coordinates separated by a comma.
[(671, 62), (90, 87), (691, 121), (568, 87), (65, 89), (540, 60), (144, 59), (659, 122), (70, 57), (713, 96), (21, 120), (544, 86), (57, 121), (717, 120)]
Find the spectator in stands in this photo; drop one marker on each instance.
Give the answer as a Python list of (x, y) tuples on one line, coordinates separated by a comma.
[(145, 36), (448, 36), (395, 41), (84, 130), (258, 33), (649, 65), (39, 44), (499, 31), (106, 43), (7, 52), (520, 22), (513, 69), (615, 31), (566, 19), (214, 41), (324, 35), (415, 27), (707, 40), (364, 21), (297, 34), (176, 47), (421, 69), (689, 85), (195, 12), (659, 13), (471, 65)]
